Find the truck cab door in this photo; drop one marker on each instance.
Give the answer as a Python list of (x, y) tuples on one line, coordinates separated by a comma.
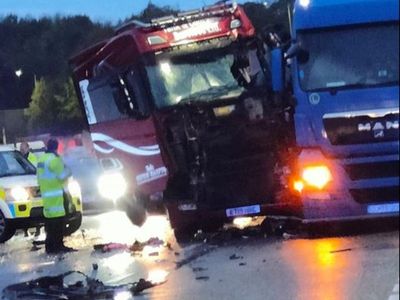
[(123, 132)]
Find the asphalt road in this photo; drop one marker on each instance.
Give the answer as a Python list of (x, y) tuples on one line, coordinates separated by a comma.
[(230, 266)]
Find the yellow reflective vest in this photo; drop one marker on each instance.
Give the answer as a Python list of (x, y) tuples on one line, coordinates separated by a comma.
[(51, 175), (32, 159)]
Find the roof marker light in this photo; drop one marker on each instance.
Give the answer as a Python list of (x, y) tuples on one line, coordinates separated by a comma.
[(155, 40), (305, 3), (235, 24)]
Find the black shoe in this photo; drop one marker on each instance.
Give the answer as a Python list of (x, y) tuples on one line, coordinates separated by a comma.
[(66, 249)]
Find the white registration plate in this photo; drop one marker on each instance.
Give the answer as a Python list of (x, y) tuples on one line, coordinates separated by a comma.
[(383, 208), (243, 211)]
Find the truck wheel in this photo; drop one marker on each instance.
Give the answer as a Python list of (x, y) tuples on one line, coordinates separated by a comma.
[(73, 226), (136, 212), (184, 234), (6, 232)]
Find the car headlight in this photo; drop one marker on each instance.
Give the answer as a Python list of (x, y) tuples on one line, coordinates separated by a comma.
[(74, 189), (317, 176), (19, 194), (112, 186)]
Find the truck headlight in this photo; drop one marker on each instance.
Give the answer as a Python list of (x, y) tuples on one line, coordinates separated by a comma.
[(317, 176), (74, 189), (112, 186), (19, 194)]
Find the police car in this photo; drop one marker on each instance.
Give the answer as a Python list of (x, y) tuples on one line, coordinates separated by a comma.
[(21, 205)]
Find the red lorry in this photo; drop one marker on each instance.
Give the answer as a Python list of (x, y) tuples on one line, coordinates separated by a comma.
[(180, 111)]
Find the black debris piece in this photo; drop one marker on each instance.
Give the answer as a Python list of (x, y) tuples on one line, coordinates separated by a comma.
[(205, 278), (242, 264), (95, 267), (199, 269), (341, 250), (84, 288), (135, 247), (234, 257)]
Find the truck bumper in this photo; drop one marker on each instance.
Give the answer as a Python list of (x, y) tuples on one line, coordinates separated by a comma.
[(203, 215)]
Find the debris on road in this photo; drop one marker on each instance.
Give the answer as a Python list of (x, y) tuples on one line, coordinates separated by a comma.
[(341, 250), (205, 278), (199, 269), (85, 288), (197, 252), (135, 247), (110, 247), (95, 267), (242, 264), (234, 257)]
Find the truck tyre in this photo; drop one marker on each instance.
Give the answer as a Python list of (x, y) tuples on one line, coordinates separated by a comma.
[(136, 212), (73, 226), (184, 234), (6, 232)]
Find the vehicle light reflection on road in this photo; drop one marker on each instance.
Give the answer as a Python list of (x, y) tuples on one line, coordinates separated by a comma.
[(115, 227), (157, 276), (124, 295), (119, 263), (318, 261), (325, 257), (28, 267), (155, 227)]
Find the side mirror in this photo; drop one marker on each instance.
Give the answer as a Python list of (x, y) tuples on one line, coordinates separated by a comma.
[(297, 51), (277, 69)]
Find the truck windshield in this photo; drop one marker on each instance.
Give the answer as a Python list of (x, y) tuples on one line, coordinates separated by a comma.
[(12, 163), (200, 76), (351, 57)]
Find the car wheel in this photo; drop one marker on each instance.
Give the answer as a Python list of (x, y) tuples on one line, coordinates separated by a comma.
[(73, 226), (6, 232)]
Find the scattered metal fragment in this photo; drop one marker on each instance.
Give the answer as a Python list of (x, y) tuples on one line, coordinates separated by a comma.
[(198, 252), (205, 278), (242, 264), (234, 257), (135, 247), (199, 269), (56, 288), (154, 254), (341, 250)]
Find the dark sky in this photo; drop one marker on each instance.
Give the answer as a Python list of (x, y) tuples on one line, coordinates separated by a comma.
[(98, 10)]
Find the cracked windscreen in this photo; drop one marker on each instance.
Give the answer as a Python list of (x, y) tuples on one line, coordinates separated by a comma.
[(338, 58), (201, 76)]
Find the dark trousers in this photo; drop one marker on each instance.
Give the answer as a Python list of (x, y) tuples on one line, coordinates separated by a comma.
[(54, 234)]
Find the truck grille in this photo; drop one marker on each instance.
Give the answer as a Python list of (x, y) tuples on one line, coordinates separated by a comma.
[(375, 195), (373, 170), (362, 129)]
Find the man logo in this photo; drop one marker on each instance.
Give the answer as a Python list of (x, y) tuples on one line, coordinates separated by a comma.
[(378, 128)]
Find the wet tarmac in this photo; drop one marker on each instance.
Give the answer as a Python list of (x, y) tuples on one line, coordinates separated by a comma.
[(232, 264)]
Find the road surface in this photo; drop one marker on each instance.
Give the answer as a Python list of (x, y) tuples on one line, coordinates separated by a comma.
[(257, 266)]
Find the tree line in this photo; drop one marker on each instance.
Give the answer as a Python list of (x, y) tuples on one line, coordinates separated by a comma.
[(40, 48)]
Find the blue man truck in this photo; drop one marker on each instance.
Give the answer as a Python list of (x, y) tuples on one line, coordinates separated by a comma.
[(344, 64)]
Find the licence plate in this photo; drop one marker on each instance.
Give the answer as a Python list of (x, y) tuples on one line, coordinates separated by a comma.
[(383, 208), (242, 211)]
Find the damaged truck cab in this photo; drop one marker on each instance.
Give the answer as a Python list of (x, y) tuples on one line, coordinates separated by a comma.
[(180, 111)]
